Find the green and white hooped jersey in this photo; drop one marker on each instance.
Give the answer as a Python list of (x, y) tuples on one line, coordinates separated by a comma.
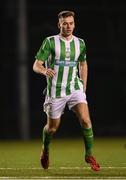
[(62, 56)]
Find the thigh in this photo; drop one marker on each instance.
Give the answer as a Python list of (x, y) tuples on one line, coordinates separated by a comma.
[(82, 112), (53, 123), (54, 107)]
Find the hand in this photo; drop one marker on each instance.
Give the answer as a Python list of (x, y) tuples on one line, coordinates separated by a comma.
[(50, 72)]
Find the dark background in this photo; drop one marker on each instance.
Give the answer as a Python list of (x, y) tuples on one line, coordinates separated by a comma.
[(102, 25)]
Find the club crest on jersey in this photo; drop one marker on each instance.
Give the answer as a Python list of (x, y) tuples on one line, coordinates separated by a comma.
[(67, 52)]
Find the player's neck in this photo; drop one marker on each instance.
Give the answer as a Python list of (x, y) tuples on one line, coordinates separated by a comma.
[(67, 38)]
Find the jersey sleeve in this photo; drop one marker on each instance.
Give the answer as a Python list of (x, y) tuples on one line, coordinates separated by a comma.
[(82, 56), (44, 51)]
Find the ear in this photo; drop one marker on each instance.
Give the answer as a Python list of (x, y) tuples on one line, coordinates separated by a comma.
[(58, 24)]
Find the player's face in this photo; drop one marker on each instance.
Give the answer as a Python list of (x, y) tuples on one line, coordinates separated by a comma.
[(66, 26)]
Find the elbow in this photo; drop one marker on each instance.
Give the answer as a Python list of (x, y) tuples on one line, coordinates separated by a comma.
[(34, 67)]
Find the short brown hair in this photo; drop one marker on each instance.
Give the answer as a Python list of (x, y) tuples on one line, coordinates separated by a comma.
[(64, 14)]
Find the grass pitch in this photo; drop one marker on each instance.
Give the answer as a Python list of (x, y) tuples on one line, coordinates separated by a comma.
[(20, 160)]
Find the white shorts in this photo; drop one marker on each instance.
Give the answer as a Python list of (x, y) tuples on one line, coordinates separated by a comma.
[(54, 107)]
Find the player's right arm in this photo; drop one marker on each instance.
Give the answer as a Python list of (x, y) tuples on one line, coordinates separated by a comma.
[(39, 68), (42, 56)]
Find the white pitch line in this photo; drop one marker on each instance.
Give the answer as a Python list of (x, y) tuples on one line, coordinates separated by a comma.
[(64, 177), (62, 167), (103, 167)]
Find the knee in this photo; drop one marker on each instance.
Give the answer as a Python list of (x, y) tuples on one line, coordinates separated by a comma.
[(52, 130), (85, 122)]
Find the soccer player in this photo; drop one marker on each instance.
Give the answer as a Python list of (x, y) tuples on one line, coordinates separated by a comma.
[(60, 58)]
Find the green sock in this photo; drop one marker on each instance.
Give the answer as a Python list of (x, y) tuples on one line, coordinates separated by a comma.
[(46, 140), (88, 140)]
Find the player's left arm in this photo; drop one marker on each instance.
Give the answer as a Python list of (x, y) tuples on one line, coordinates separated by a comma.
[(83, 72)]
